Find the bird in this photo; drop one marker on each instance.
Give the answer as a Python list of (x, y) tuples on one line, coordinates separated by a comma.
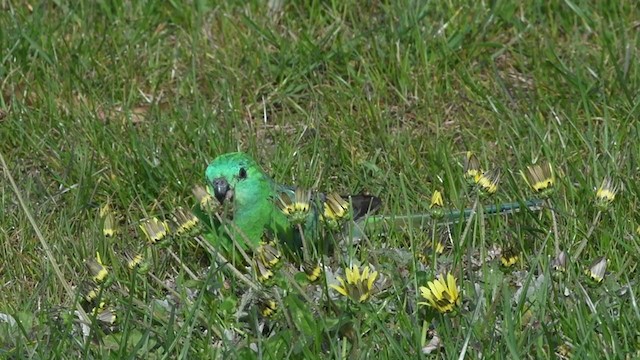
[(256, 206)]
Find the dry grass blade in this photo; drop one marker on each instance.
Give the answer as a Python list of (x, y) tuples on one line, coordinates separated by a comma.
[(43, 242)]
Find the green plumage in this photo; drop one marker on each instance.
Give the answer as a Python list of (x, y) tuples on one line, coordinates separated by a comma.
[(252, 201)]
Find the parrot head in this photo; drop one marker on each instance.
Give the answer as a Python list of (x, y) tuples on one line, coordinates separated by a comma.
[(236, 178)]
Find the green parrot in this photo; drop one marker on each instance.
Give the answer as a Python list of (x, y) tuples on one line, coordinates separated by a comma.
[(237, 182), (256, 205)]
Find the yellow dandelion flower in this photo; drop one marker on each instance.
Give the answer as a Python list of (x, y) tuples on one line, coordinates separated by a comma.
[(436, 205), (184, 221), (268, 253), (540, 178), (563, 351), (443, 236), (606, 193), (263, 272), (436, 200), (109, 221), (336, 210), (268, 307), (313, 270), (204, 198), (442, 295), (357, 286), (509, 257), (155, 229), (335, 207), (90, 291), (488, 181), (133, 260), (560, 262), (104, 314), (426, 254), (97, 269), (438, 246), (598, 269), (472, 170), (296, 206)]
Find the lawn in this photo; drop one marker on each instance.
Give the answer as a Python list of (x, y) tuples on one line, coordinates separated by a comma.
[(111, 111)]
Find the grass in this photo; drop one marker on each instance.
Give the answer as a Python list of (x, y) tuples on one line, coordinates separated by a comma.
[(126, 103)]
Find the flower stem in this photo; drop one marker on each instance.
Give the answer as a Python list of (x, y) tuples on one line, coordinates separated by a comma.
[(555, 228), (583, 244)]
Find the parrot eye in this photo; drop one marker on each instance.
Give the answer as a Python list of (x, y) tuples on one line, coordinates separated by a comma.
[(242, 174)]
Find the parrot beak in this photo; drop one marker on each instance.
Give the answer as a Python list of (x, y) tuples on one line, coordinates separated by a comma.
[(221, 189)]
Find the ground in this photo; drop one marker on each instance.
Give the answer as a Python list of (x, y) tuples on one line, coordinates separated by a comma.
[(125, 103)]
